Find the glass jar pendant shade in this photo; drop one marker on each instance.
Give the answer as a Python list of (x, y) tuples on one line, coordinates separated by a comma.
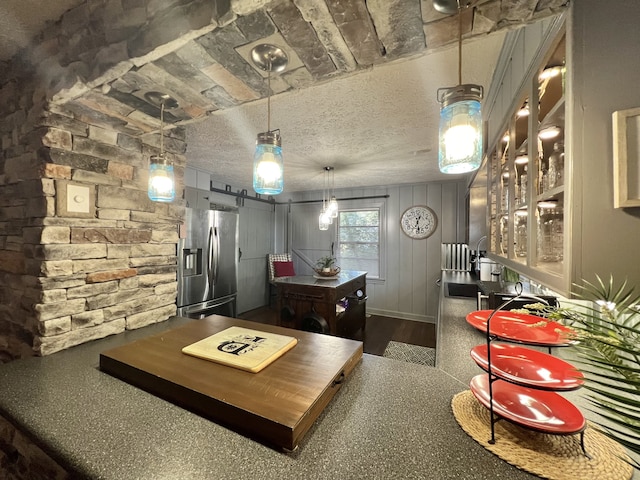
[(162, 185), (460, 132), (332, 208), (332, 201), (324, 220), (268, 164), (161, 180), (329, 201)]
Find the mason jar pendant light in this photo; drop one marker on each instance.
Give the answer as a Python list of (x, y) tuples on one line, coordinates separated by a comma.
[(324, 220), (162, 185), (332, 204), (460, 136), (268, 166), (326, 215)]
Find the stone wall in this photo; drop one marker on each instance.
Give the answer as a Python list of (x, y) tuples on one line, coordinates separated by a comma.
[(21, 459), (69, 277)]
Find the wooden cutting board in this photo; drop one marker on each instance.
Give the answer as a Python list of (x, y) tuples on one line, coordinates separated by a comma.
[(242, 348), (276, 406)]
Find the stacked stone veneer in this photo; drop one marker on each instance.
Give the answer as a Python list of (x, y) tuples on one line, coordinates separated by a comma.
[(67, 278)]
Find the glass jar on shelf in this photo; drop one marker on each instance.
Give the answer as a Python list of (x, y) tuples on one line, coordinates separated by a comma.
[(523, 185), (505, 192), (550, 232), (521, 233), (543, 176), (538, 181), (504, 235), (556, 165), (546, 180)]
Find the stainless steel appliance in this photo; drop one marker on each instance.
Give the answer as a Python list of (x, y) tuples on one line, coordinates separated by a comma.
[(208, 263)]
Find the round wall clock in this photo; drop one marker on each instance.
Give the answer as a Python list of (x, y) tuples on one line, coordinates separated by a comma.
[(418, 222)]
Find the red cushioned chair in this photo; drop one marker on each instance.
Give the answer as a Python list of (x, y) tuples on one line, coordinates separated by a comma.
[(285, 265)]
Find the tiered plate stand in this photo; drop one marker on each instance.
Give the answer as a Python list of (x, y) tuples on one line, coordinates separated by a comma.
[(521, 385)]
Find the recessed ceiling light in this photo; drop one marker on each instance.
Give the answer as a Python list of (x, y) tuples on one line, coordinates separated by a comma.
[(548, 204), (521, 159), (549, 132)]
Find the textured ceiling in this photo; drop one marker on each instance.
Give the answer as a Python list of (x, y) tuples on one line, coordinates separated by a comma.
[(359, 93)]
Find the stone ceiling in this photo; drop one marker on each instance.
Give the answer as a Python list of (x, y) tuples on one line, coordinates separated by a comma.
[(112, 52)]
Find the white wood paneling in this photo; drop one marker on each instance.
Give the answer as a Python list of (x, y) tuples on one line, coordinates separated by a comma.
[(252, 284), (308, 243), (408, 287)]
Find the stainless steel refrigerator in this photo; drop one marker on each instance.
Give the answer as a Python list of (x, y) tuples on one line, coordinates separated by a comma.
[(208, 263)]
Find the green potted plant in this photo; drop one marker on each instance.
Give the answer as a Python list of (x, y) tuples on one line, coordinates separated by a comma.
[(608, 351), (325, 263)]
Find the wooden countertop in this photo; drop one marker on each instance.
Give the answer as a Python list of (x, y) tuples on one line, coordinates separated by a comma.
[(277, 405)]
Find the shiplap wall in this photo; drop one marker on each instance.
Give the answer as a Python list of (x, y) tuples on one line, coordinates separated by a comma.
[(410, 267), (255, 237)]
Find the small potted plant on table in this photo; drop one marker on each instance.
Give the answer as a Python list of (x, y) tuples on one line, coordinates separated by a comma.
[(326, 266)]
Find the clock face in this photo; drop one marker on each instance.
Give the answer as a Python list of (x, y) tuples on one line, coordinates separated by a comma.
[(418, 222)]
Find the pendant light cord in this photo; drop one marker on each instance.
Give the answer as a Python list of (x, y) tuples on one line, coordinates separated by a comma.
[(333, 182), (162, 129), (324, 188), (269, 93), (459, 43)]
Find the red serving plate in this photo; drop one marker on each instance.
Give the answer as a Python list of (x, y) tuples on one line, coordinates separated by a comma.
[(540, 410), (522, 328), (527, 367)]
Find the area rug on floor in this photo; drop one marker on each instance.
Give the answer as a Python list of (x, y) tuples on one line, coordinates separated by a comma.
[(554, 457), (411, 353)]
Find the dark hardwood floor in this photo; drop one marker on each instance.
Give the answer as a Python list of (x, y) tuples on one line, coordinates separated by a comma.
[(378, 332)]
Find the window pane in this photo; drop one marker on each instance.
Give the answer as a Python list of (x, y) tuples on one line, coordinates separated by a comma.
[(359, 241), (359, 250), (359, 234), (362, 218)]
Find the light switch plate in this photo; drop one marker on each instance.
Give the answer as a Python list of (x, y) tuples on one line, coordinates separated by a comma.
[(77, 198)]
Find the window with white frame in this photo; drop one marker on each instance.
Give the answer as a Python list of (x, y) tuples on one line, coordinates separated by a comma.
[(359, 246)]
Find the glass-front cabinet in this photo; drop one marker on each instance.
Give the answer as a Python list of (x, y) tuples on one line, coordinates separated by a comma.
[(526, 172), (549, 180)]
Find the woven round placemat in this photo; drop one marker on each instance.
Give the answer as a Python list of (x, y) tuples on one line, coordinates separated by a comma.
[(556, 457)]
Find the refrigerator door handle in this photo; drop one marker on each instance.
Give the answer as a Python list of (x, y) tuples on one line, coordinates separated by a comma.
[(216, 254), (210, 259)]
